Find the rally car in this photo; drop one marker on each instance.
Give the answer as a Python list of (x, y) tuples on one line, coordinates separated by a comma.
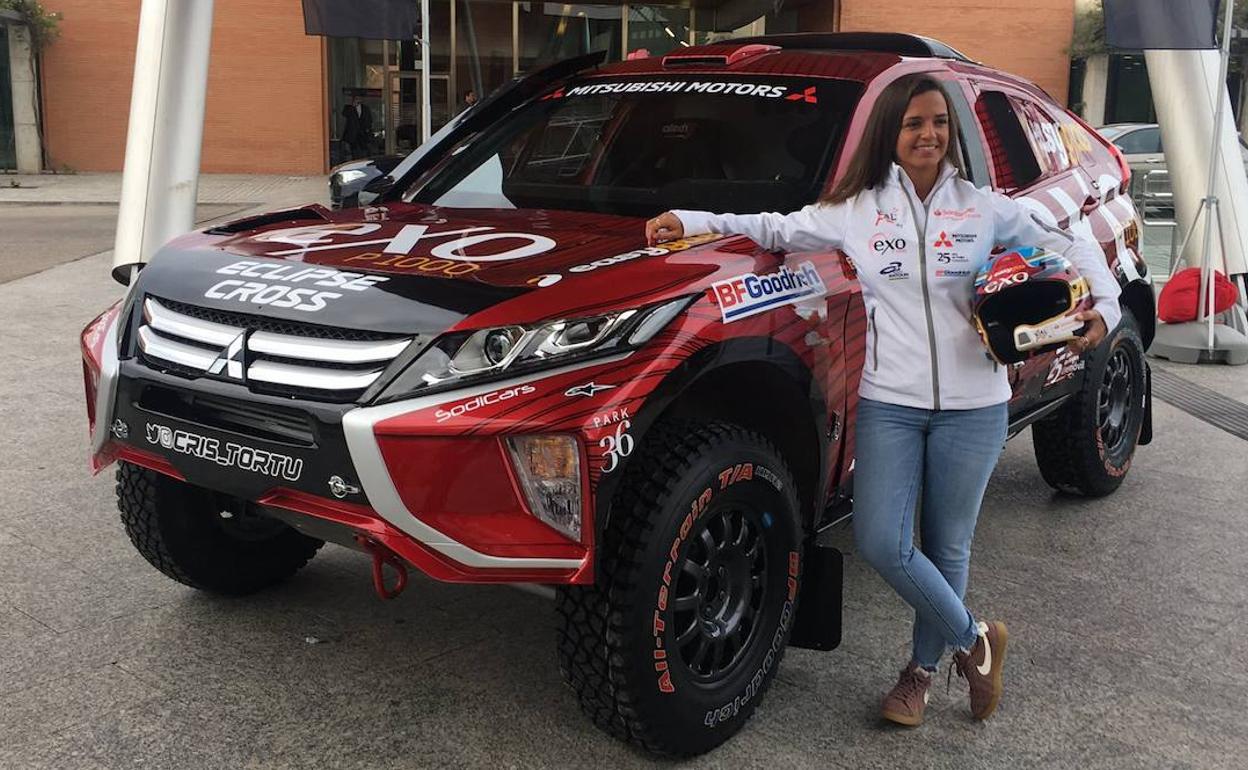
[(488, 375)]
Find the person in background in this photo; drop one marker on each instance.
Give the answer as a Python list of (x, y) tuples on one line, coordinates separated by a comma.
[(357, 128)]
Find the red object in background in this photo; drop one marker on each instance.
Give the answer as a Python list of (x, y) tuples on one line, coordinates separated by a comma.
[(1180, 298)]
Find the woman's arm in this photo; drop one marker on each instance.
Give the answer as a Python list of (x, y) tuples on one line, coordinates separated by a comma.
[(1018, 226), (816, 227)]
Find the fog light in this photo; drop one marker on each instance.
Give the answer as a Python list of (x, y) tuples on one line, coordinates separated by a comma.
[(549, 468)]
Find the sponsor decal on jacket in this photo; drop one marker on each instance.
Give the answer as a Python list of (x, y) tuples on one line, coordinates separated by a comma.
[(889, 216), (945, 272), (957, 215), (893, 271), (486, 399), (682, 87), (948, 240), (750, 294), (287, 286), (882, 244), (225, 453)]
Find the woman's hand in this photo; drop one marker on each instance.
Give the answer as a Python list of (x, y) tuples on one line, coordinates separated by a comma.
[(1092, 335), (664, 227)]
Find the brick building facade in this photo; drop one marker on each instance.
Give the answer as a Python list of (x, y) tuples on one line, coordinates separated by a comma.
[(274, 94)]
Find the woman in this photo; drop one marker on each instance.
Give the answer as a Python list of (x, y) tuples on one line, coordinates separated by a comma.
[(933, 412)]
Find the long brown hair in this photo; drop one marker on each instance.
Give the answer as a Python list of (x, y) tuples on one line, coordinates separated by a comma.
[(878, 148)]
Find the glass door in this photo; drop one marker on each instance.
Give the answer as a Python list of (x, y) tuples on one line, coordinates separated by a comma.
[(8, 153), (403, 105)]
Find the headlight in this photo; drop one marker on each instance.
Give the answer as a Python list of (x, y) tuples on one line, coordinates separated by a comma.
[(351, 175), (460, 357)]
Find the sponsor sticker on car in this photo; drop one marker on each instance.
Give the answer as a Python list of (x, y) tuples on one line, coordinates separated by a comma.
[(227, 454), (751, 293)]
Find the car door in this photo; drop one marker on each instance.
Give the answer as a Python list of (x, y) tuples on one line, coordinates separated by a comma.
[(1035, 160)]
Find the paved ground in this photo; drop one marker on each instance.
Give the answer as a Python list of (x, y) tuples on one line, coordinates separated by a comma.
[(213, 188), (1127, 616), (38, 236)]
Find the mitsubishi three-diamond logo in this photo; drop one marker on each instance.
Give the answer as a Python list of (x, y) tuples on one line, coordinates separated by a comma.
[(230, 362)]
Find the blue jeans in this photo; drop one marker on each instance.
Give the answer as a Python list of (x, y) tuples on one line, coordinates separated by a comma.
[(947, 456)]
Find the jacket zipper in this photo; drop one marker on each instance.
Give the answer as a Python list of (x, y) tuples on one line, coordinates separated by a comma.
[(927, 301), (875, 343)]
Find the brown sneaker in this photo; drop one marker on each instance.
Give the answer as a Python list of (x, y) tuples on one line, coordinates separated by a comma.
[(906, 702), (981, 668)]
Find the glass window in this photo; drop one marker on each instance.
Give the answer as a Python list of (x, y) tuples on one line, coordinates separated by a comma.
[(1046, 139), (655, 30), (551, 32), (1128, 98), (1145, 140), (1013, 161), (483, 59), (639, 146), (356, 77)]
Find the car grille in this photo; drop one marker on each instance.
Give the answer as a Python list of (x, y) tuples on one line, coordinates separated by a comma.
[(258, 420), (268, 355)]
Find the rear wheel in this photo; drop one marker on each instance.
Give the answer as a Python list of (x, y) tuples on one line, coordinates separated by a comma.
[(204, 540), (1086, 447), (676, 644)]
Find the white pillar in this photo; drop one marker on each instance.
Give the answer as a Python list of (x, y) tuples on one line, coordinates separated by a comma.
[(1095, 88), (1184, 85), (25, 101), (165, 134)]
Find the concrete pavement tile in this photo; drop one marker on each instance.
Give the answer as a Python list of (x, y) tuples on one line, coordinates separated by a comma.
[(52, 590), (52, 753), (19, 629), (44, 711), (1223, 654), (1166, 727), (163, 734)]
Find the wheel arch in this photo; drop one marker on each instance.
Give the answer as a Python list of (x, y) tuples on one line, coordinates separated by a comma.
[(759, 384)]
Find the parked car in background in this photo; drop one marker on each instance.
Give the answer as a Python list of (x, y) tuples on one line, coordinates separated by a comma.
[(1140, 144), (348, 182)]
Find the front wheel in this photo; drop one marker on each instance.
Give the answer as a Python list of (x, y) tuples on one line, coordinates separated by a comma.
[(678, 641), (203, 540), (1086, 447)]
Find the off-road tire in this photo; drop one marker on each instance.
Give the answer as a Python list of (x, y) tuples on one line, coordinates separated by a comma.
[(179, 529), (632, 677), (1072, 447)]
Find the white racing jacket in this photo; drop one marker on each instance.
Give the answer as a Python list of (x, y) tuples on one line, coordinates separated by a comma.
[(916, 261)]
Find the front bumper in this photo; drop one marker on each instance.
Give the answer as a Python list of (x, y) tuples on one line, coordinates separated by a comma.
[(448, 503)]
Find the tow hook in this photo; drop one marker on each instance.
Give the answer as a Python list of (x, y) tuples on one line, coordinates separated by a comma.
[(381, 557)]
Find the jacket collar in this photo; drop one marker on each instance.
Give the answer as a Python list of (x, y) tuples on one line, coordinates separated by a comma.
[(899, 176)]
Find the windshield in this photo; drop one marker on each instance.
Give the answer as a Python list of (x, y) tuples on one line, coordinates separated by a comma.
[(640, 146)]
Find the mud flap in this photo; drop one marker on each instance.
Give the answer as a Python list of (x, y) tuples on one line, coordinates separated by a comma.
[(1146, 429), (818, 622)]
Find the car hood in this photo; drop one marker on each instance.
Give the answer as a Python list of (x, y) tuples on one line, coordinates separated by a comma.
[(407, 268)]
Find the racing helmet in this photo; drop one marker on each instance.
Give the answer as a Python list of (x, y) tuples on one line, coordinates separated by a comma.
[(1025, 302)]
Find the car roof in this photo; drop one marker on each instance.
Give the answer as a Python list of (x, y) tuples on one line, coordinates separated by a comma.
[(860, 66), (856, 56), (852, 56)]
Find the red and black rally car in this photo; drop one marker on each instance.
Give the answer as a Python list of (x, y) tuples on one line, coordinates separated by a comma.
[(488, 375)]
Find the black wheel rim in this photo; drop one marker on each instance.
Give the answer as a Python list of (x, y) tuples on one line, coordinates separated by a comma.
[(1114, 400), (719, 593)]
